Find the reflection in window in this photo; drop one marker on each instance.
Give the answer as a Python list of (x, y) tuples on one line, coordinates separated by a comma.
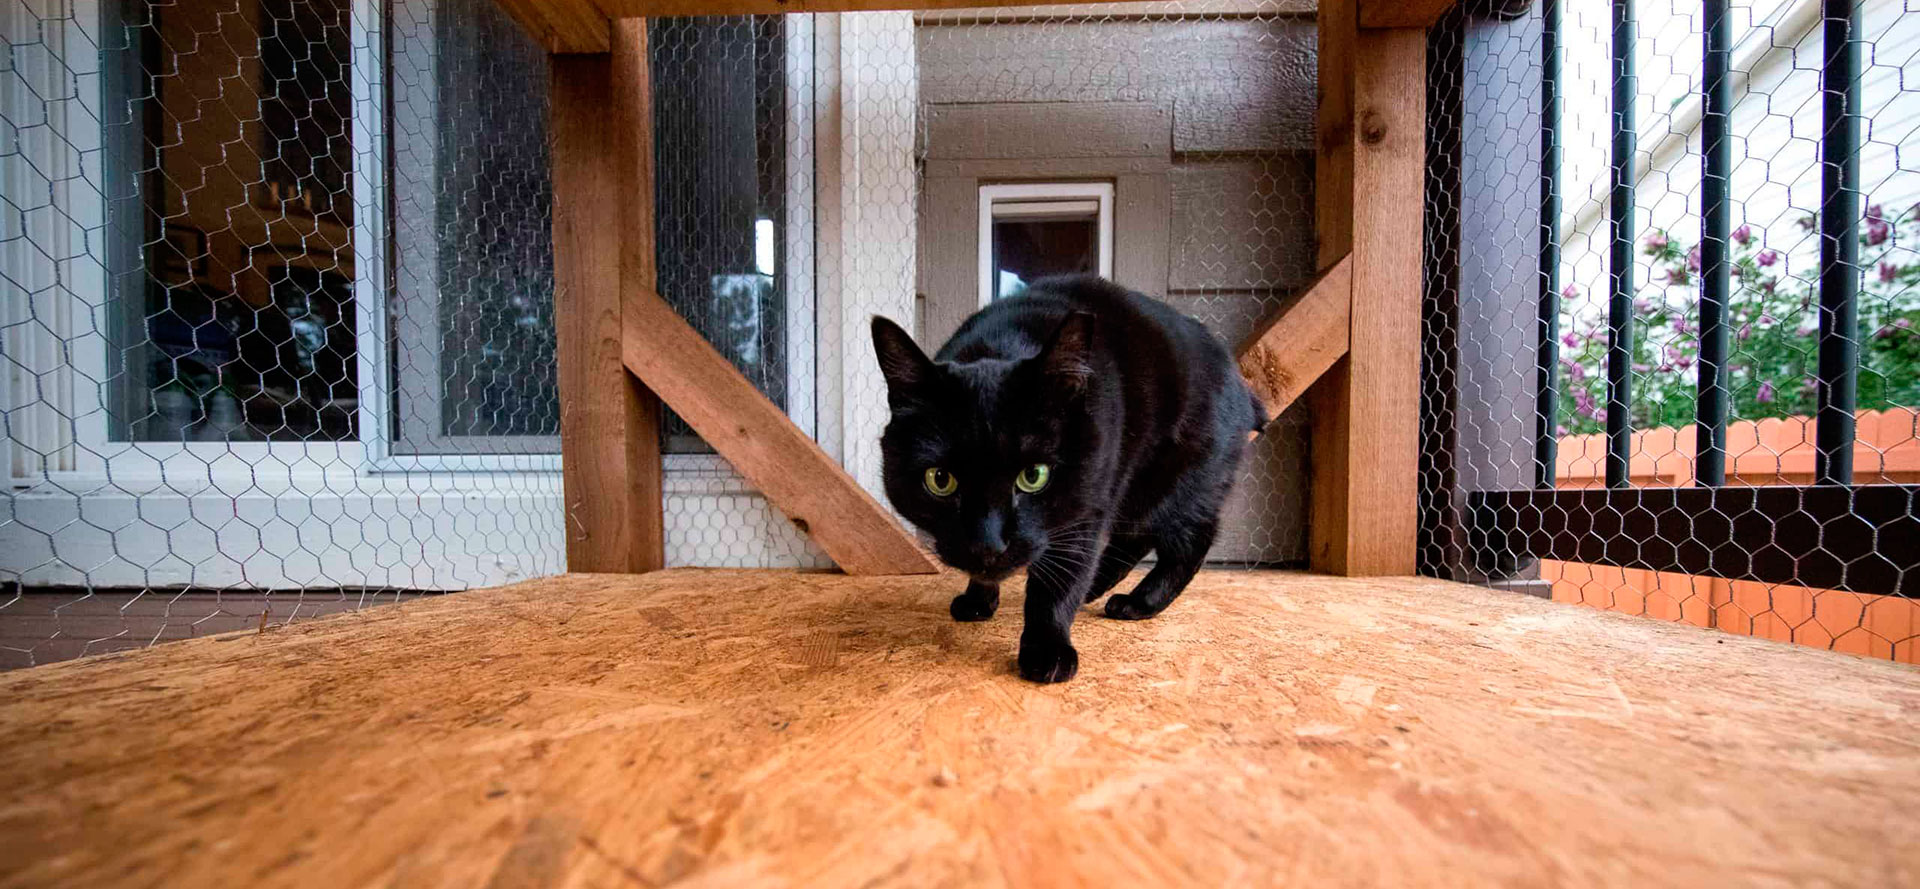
[(227, 150), (721, 171)]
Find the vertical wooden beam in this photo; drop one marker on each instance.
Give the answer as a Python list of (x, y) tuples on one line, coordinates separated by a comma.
[(603, 244), (1333, 133), (1364, 503)]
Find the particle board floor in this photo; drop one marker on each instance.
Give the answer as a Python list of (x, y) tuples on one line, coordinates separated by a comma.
[(774, 729)]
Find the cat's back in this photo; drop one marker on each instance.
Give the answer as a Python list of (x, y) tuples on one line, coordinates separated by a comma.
[(1132, 323)]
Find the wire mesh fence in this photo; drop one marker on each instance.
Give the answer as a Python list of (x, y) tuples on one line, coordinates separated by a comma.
[(279, 309), (1672, 282)]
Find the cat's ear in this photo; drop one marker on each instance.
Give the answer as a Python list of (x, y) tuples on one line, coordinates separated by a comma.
[(1067, 360), (901, 361)]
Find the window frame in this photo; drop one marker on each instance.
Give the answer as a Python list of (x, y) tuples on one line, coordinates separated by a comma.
[(1030, 193)]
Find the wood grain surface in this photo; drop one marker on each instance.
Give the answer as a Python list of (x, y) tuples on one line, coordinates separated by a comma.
[(708, 728)]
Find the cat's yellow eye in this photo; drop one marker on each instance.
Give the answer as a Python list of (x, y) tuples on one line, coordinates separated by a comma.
[(941, 483), (1033, 478)]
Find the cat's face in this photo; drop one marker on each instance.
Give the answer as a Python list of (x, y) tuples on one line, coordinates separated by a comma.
[(977, 453)]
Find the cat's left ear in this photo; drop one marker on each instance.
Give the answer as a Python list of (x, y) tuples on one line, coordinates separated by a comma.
[(1067, 360), (901, 361)]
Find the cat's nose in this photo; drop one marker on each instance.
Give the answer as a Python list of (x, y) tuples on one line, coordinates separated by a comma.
[(991, 553)]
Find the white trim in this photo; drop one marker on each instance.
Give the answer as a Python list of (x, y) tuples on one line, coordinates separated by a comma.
[(1042, 199)]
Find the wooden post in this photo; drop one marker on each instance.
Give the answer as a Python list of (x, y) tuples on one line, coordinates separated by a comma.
[(603, 245), (1364, 502)]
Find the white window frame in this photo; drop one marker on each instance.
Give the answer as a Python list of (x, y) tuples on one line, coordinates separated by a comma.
[(1032, 198)]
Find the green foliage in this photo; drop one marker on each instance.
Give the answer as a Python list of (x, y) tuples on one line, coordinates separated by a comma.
[(1775, 321)]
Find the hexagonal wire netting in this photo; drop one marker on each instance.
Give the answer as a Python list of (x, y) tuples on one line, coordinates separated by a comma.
[(278, 316), (1672, 280)]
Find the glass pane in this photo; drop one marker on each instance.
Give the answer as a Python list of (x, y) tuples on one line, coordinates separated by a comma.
[(474, 369), (721, 178), (1028, 249), (227, 152)]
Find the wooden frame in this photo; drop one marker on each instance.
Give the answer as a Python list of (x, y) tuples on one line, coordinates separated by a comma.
[(1349, 343)]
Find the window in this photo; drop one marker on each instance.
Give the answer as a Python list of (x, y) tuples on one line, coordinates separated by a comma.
[(1031, 230), (230, 221)]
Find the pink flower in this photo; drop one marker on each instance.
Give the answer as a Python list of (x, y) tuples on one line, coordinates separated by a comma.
[(1643, 304), (1888, 272), (1657, 242), (1766, 320), (1569, 292), (1874, 213), (1877, 232), (1746, 332), (1743, 235), (1571, 340), (1641, 368), (1683, 325), (1809, 329), (1559, 430), (1806, 222), (1765, 396), (1693, 259), (1684, 361), (1767, 258), (1904, 324), (1576, 372)]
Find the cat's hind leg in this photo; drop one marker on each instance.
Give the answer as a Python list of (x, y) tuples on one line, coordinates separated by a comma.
[(978, 603), (1122, 553), (1182, 551)]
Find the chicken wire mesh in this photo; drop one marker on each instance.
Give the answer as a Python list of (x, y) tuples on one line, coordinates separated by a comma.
[(279, 310), (1671, 280)]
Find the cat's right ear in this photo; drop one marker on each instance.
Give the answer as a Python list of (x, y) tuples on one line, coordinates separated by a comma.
[(901, 361)]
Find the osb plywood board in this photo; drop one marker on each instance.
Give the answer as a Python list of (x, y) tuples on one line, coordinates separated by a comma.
[(768, 729)]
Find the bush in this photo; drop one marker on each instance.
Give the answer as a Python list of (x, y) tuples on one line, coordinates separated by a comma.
[(1775, 320)]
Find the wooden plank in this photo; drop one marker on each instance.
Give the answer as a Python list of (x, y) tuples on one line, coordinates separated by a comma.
[(1327, 399), (562, 26), (1402, 13), (1366, 458), (609, 425), (1297, 346), (1389, 188), (734, 728), (760, 441), (1333, 132), (1022, 130)]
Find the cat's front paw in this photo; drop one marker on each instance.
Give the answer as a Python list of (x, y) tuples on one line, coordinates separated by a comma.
[(1130, 607), (1048, 662), (971, 608)]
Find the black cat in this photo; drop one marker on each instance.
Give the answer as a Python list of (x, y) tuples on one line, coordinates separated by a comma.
[(1071, 430)]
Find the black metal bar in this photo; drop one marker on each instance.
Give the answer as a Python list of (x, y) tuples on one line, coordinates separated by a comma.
[(1839, 243), (1716, 161), (1620, 260), (1864, 538), (1546, 442)]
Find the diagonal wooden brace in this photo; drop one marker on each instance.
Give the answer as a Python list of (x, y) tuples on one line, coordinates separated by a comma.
[(752, 433), (1301, 342)]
